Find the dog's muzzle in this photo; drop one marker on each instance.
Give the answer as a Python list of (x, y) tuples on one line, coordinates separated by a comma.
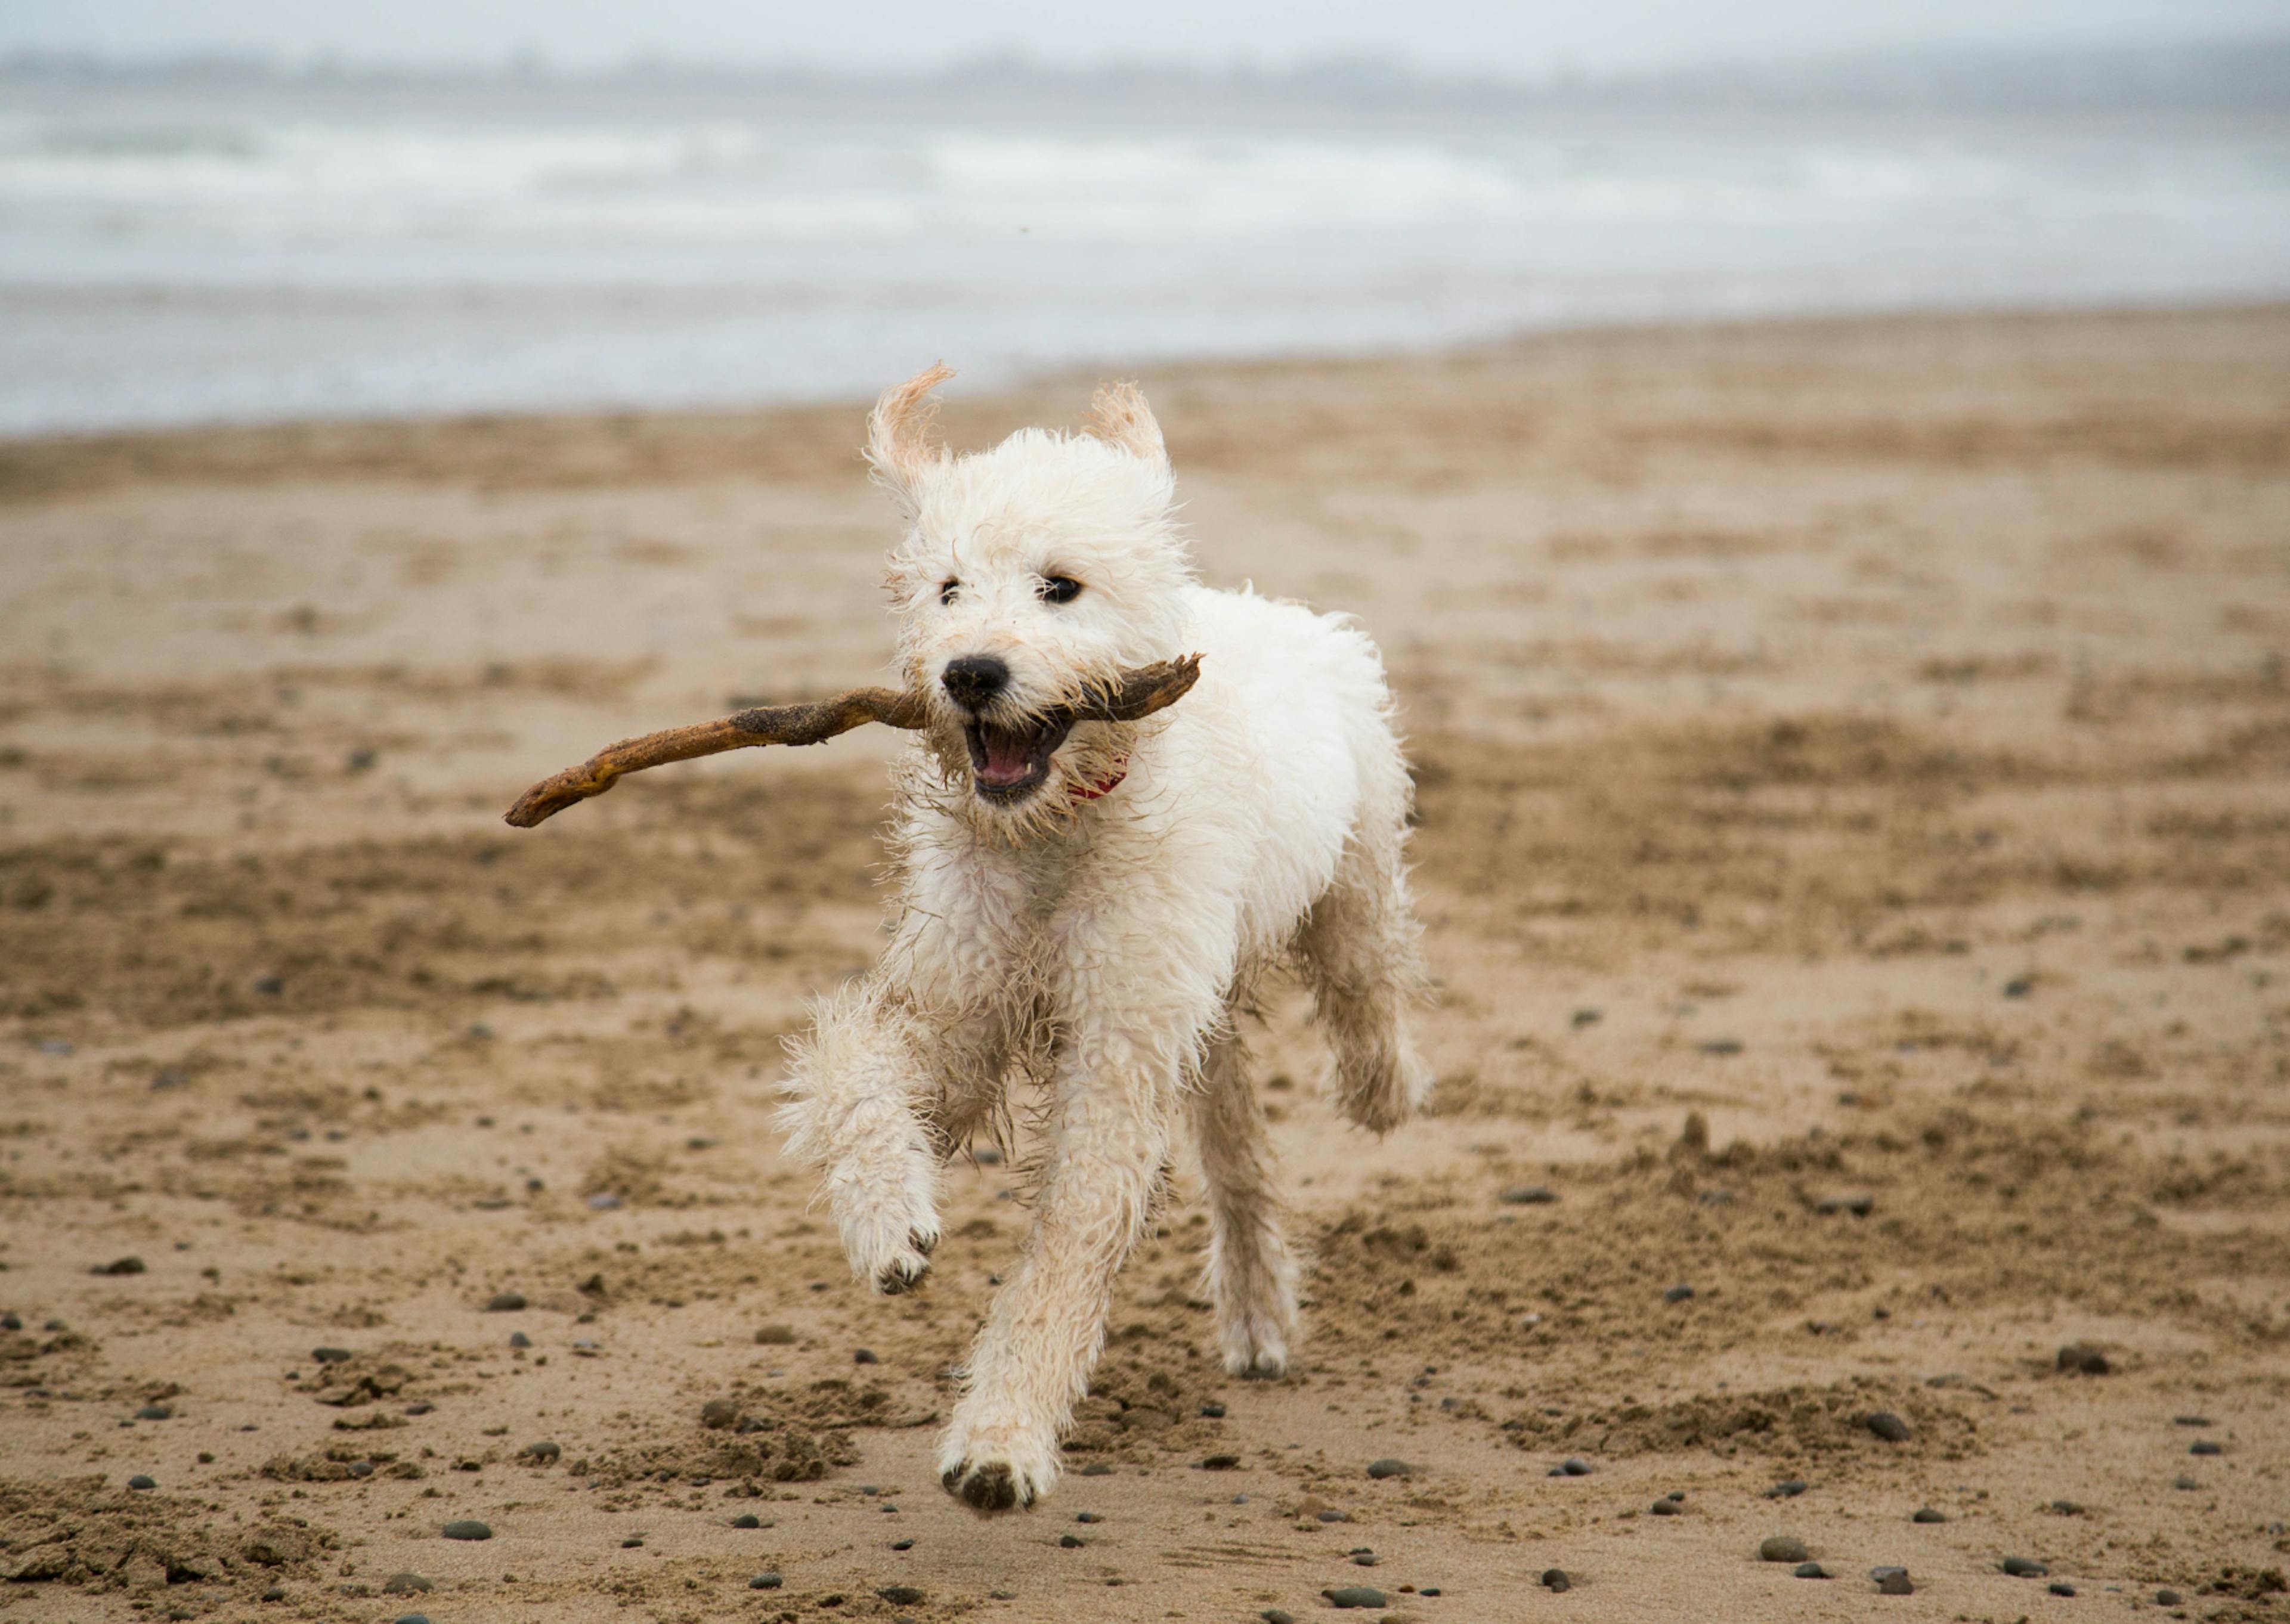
[(1010, 763)]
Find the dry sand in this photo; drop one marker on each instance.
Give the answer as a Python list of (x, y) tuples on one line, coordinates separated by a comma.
[(1855, 846)]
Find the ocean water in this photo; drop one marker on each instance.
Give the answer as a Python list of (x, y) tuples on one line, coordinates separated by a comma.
[(181, 249)]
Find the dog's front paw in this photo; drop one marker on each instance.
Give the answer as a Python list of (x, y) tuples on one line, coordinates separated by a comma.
[(998, 1467), (888, 1218)]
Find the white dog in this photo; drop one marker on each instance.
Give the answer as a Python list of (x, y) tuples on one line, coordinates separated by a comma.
[(1089, 904)]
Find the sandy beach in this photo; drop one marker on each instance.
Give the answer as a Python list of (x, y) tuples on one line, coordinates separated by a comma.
[(1854, 765)]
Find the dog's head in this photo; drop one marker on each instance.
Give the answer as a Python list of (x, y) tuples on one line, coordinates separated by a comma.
[(1029, 576)]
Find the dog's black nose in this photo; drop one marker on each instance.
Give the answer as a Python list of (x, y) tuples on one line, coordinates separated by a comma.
[(974, 679)]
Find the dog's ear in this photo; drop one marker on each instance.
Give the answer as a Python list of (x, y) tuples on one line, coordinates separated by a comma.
[(1119, 416), (899, 440)]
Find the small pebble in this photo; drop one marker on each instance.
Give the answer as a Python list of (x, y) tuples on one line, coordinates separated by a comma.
[(1788, 1488), (900, 1596), (1665, 1507), (468, 1528), (119, 1266), (718, 1412), (1219, 1463), (1087, 1516), (2081, 1358), (631, 1544), (154, 1413), (545, 1453), (1072, 1542), (1390, 1467), (2185, 1483), (1573, 1466), (408, 1584), (1355, 1596), (12, 1322), (902, 1545), (864, 1356), (332, 1356), (2067, 1507), (1587, 1017), (1888, 1427), (1277, 1615), (1679, 1292), (1366, 1559), (1782, 1548), (505, 1302), (2019, 987), (1810, 1570), (2190, 1421), (2204, 1446), (1527, 1195), (1925, 1514), (277, 1593), (2168, 1598), (1555, 1579), (1893, 1581), (141, 1481), (410, 1618), (1858, 1203), (747, 1519), (2060, 1588), (2024, 1567), (765, 1581), (1214, 1412), (517, 1338)]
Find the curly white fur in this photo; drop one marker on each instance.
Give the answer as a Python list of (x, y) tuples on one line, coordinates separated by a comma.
[(1104, 946)]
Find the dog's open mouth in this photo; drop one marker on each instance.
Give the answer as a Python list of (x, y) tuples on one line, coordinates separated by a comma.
[(1009, 764)]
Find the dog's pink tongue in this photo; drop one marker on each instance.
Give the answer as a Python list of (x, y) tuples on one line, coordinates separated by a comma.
[(1007, 758)]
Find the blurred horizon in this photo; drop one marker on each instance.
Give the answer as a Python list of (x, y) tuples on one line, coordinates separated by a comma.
[(204, 238)]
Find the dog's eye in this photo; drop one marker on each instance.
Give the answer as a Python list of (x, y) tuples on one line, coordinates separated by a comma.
[(1059, 589), (947, 590)]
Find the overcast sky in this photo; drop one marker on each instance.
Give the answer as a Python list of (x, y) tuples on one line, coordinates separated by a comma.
[(1524, 37)]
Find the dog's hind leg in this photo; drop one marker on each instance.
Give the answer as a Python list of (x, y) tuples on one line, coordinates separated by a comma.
[(1358, 949), (1250, 1274)]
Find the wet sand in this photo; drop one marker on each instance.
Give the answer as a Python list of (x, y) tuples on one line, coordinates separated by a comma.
[(1855, 770)]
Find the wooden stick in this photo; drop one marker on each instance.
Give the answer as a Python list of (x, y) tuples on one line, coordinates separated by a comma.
[(1138, 694)]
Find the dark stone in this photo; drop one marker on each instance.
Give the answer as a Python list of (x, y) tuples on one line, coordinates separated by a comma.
[(2190, 1421), (1888, 1427), (765, 1581), (900, 1596), (2060, 1587), (1214, 1412), (1221, 1463), (119, 1266), (155, 1412), (1390, 1467), (1810, 1570), (1721, 1045), (1573, 1466), (864, 1356), (277, 1593), (1277, 1615), (1087, 1516), (2206, 1446), (1071, 1542), (2019, 987), (747, 1519), (1528, 1195), (2082, 1359), (1665, 1507), (1788, 1488), (2185, 1483), (517, 1338), (2168, 1598), (1782, 1548), (1925, 1514), (1355, 1596), (1555, 1579), (775, 1336), (1587, 1017), (631, 1543), (468, 1528), (1858, 1203), (505, 1302), (543, 1453), (1893, 1581), (332, 1356), (410, 1618), (902, 1545), (141, 1481), (2067, 1507), (408, 1584), (2024, 1567), (1366, 1559), (1680, 1292), (718, 1412)]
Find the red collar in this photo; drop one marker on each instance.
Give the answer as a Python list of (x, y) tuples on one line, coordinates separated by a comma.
[(1105, 786)]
